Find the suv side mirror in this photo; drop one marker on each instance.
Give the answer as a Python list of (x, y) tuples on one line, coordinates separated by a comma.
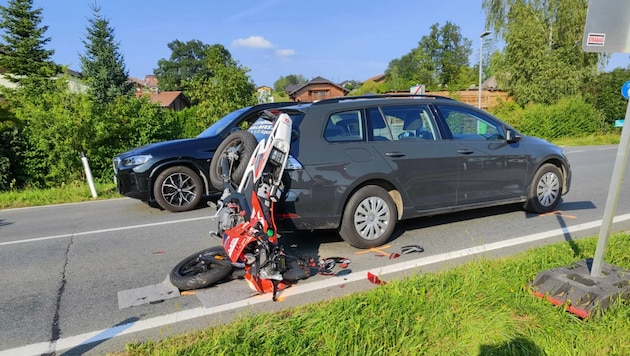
[(512, 136)]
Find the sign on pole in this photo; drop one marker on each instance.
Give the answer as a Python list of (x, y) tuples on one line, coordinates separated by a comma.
[(607, 26), (607, 29)]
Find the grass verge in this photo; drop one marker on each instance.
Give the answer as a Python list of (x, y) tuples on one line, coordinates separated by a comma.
[(481, 308), (72, 193)]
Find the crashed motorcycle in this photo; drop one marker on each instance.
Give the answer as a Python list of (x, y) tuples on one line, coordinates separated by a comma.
[(246, 225)]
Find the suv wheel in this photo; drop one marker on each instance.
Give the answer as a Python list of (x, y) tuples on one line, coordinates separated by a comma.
[(369, 218), (245, 143), (545, 190), (178, 189)]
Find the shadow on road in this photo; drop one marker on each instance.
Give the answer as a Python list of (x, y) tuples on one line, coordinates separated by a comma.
[(100, 338)]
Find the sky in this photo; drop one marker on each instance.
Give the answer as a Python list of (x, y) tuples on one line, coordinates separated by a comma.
[(335, 39)]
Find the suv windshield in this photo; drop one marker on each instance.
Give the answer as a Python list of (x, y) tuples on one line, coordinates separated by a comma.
[(223, 122)]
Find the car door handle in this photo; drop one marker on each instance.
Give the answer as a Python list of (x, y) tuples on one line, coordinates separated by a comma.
[(465, 151), (395, 154)]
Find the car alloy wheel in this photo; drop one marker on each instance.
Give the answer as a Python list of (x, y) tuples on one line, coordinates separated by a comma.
[(178, 189)]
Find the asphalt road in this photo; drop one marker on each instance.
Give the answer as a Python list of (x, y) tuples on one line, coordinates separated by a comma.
[(63, 266)]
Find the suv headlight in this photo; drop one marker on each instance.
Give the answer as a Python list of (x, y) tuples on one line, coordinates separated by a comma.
[(136, 160)]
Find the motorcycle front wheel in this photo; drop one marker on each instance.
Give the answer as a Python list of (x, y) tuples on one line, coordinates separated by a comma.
[(201, 269)]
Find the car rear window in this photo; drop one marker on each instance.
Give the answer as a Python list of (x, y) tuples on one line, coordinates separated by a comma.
[(344, 126)]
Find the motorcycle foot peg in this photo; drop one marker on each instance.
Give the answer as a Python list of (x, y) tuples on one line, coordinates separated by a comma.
[(215, 235)]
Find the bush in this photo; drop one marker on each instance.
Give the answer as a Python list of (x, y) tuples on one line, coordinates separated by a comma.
[(570, 117), (59, 125), (508, 111)]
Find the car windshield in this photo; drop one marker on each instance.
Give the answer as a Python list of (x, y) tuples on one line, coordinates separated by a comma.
[(223, 122)]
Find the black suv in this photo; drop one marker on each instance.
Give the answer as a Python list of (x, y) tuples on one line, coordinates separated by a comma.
[(175, 174), (360, 164)]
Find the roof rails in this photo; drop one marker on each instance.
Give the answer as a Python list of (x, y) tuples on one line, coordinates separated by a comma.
[(379, 96)]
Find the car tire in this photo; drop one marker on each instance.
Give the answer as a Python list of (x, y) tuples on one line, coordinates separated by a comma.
[(178, 188), (545, 190), (369, 218), (201, 269), (247, 142)]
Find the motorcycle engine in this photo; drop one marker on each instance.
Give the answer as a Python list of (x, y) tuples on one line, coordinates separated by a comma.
[(228, 217)]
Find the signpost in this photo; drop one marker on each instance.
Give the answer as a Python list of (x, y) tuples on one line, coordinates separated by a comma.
[(607, 29)]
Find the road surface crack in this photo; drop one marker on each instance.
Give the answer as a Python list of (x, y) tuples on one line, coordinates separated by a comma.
[(55, 329)]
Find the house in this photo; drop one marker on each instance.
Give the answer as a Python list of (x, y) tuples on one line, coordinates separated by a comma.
[(148, 84), (264, 94), (377, 78), (173, 100), (317, 89)]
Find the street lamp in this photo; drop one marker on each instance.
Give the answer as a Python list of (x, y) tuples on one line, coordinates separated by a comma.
[(484, 34)]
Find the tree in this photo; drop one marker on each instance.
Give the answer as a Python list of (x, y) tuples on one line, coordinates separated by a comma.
[(543, 58), (23, 53), (437, 62), (187, 62), (102, 64), (280, 85), (603, 93), (227, 88)]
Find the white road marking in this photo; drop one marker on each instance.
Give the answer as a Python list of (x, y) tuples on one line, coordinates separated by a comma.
[(141, 325), (93, 232)]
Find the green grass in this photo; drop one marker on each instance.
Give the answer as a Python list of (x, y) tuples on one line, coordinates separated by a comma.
[(592, 140), (481, 308), (72, 193)]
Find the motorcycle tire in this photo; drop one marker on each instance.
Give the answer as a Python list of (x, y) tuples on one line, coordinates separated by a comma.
[(201, 269), (246, 141)]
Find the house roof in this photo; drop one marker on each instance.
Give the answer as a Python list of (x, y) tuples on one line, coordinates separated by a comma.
[(376, 78), (292, 89), (149, 81), (165, 98)]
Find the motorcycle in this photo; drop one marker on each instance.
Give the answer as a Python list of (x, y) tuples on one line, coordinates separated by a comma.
[(246, 225)]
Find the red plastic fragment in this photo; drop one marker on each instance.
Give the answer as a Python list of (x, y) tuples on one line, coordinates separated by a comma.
[(374, 279)]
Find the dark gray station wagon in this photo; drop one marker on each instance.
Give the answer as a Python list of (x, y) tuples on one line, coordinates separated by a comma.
[(360, 164)]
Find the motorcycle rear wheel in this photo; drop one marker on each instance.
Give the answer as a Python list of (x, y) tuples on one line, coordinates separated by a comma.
[(201, 269)]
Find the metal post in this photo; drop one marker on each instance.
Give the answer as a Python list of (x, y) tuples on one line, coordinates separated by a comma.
[(484, 34), (613, 197)]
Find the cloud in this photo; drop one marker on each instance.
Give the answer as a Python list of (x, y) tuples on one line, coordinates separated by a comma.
[(285, 52), (252, 42)]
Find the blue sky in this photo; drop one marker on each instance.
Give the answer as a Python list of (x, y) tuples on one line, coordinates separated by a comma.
[(338, 40)]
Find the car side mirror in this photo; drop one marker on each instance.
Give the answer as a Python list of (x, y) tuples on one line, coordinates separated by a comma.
[(294, 135), (512, 136)]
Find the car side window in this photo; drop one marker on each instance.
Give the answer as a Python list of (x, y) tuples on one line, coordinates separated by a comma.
[(410, 122), (378, 130), (344, 126), (469, 125)]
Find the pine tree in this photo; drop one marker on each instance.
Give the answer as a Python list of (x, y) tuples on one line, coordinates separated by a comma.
[(103, 65), (23, 53)]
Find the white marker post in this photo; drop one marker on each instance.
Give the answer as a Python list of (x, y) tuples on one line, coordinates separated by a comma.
[(88, 175)]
